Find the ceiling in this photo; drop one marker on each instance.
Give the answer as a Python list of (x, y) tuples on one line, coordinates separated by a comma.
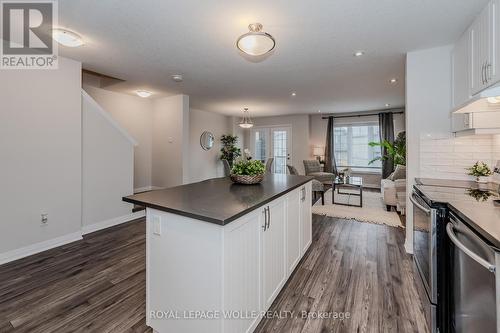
[(145, 42)]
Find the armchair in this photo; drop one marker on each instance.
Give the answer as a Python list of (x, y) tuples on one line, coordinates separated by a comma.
[(313, 168)]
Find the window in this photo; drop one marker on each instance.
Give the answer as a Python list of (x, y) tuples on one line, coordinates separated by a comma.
[(352, 149)]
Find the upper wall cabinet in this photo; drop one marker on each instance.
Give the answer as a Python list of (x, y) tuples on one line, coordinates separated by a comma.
[(481, 41), (460, 60), (476, 57)]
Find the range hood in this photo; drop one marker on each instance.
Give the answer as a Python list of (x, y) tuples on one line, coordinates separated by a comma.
[(485, 101)]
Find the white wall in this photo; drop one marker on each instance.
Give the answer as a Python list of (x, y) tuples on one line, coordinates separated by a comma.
[(205, 164), (108, 168), (136, 115), (40, 145), (170, 163), (300, 136), (428, 96)]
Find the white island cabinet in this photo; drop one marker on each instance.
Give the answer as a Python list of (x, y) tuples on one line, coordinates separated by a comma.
[(207, 277)]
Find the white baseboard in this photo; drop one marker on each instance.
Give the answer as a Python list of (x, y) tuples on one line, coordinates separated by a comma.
[(39, 247), (147, 188), (112, 222)]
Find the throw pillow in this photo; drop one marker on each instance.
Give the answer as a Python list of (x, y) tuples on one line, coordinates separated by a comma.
[(399, 173)]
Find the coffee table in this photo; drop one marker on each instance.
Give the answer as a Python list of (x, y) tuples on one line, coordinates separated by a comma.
[(350, 183)]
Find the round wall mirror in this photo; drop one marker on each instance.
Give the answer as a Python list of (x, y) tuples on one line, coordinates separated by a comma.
[(207, 140)]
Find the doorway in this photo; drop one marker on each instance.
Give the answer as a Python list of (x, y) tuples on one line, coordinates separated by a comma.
[(272, 142)]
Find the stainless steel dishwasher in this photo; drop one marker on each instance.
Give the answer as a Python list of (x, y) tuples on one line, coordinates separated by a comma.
[(475, 284)]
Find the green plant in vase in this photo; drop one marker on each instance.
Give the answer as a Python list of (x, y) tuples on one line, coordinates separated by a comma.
[(229, 151), (478, 170), (395, 151)]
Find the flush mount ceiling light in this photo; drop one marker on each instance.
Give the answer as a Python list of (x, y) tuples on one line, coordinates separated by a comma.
[(246, 121), (177, 77), (67, 38), (359, 53), (143, 93), (255, 42), (493, 100)]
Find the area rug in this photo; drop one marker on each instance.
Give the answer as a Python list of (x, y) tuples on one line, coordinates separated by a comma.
[(373, 210)]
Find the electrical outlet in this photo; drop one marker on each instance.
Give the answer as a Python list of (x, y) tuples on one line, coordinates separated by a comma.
[(157, 225), (45, 219)]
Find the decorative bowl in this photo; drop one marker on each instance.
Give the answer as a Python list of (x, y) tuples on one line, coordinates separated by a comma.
[(247, 180)]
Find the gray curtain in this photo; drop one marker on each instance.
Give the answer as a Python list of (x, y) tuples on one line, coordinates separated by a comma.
[(330, 165), (386, 130)]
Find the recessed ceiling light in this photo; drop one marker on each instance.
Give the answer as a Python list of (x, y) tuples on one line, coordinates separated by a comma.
[(67, 38), (177, 77), (387, 105), (294, 94), (319, 110), (143, 93), (393, 80), (359, 53), (255, 42)]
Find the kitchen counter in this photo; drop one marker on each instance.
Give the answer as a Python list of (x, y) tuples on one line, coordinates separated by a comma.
[(471, 204), (218, 248), (218, 200)]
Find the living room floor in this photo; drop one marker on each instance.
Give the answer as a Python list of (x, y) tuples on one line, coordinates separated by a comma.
[(98, 284)]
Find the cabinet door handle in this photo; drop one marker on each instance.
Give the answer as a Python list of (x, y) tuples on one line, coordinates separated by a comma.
[(265, 219), (269, 218), (487, 71), (482, 73), (303, 190)]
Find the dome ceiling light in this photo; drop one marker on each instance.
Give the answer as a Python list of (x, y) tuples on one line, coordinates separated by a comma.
[(67, 38), (246, 121), (255, 42)]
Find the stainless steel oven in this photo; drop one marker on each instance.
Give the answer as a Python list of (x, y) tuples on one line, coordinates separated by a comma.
[(425, 256)]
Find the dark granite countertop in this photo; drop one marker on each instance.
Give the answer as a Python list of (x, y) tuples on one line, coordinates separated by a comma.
[(218, 200), (472, 204)]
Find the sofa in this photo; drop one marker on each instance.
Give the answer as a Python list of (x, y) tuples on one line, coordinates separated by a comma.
[(393, 190)]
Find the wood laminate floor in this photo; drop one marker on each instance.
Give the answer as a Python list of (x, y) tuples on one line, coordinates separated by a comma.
[(98, 284)]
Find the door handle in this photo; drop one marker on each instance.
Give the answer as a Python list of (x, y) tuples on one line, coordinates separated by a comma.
[(265, 219), (451, 233), (482, 73), (419, 206), (268, 217)]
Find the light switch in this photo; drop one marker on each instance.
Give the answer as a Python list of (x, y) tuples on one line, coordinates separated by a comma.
[(157, 225)]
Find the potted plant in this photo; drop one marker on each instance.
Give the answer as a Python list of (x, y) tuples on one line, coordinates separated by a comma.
[(479, 170), (395, 151), (229, 151), (248, 171)]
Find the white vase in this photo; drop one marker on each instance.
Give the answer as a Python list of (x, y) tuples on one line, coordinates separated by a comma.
[(481, 180)]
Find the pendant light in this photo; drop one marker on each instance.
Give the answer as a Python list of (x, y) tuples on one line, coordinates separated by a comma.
[(255, 42), (246, 121)]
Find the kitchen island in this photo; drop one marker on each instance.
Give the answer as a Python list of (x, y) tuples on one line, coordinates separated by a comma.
[(218, 253)]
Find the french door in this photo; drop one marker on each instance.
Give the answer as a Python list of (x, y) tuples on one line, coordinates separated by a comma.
[(272, 142)]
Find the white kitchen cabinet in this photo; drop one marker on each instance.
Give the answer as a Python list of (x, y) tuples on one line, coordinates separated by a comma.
[(293, 230), (475, 123), (273, 249), (460, 60), (306, 217), (242, 252), (482, 57)]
